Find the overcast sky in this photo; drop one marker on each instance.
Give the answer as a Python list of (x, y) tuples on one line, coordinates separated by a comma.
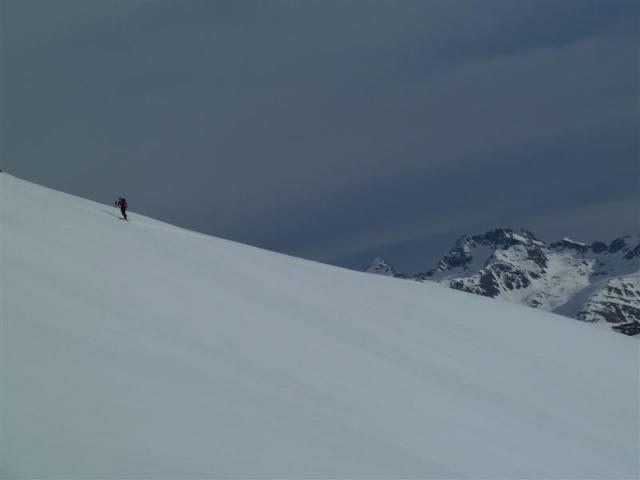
[(336, 131)]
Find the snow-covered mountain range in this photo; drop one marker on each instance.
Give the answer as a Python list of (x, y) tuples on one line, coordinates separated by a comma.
[(140, 349), (591, 282)]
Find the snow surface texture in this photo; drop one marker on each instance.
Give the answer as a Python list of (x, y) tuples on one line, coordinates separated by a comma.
[(142, 350), (593, 283)]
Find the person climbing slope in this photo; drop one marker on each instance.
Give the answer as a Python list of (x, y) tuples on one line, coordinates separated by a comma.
[(122, 203)]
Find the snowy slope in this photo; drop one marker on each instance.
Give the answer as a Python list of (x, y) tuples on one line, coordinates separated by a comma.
[(142, 350), (595, 282)]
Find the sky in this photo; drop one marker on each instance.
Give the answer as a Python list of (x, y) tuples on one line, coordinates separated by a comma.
[(337, 131)]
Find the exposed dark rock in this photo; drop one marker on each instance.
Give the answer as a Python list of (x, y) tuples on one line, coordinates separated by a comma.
[(537, 255), (568, 244), (460, 285), (502, 237), (631, 328), (598, 247), (457, 257), (380, 267), (616, 245), (512, 277), (489, 285), (613, 312), (424, 275), (633, 253), (529, 234), (614, 290)]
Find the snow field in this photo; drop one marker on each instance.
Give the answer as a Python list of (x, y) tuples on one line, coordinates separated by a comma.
[(142, 350)]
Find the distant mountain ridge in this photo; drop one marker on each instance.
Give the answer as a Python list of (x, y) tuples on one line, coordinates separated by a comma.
[(591, 282)]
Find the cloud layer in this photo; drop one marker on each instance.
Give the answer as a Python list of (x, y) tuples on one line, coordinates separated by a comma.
[(333, 130)]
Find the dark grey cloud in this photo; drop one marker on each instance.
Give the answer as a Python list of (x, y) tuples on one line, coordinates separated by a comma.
[(332, 130)]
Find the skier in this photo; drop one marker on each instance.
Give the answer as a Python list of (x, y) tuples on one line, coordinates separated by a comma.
[(122, 203)]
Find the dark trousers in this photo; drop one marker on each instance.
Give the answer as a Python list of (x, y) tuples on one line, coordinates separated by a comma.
[(124, 212)]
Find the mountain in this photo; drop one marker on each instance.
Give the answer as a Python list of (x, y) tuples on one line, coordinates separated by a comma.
[(595, 282), (380, 267), (142, 350)]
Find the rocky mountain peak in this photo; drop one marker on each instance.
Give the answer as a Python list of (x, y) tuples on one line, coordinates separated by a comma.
[(471, 251), (504, 237), (567, 243), (381, 267), (572, 278), (617, 244)]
